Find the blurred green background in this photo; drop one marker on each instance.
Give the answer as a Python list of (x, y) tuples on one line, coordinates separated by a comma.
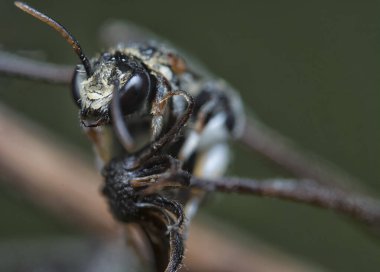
[(309, 69)]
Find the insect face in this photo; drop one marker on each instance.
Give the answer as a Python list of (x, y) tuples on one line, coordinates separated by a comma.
[(116, 72), (95, 82)]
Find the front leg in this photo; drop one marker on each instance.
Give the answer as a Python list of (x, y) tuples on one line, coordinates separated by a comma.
[(162, 141), (160, 173)]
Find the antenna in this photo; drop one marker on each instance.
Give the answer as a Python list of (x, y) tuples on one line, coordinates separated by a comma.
[(61, 30)]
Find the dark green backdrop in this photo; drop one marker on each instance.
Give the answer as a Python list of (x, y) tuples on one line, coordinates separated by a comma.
[(310, 69)]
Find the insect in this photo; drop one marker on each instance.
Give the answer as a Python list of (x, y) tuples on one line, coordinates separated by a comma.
[(154, 121), (126, 130)]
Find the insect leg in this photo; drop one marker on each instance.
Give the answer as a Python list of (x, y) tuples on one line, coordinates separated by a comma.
[(172, 206), (160, 172), (155, 235), (154, 147), (121, 128)]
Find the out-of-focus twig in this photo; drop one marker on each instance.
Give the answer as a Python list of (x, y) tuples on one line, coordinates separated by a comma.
[(362, 208), (14, 65), (284, 152), (58, 180)]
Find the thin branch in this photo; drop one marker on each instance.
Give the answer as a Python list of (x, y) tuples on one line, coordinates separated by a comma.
[(284, 152), (361, 208), (13, 65), (29, 162), (57, 179)]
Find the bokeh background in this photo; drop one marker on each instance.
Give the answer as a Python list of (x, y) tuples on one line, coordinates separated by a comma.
[(309, 69)]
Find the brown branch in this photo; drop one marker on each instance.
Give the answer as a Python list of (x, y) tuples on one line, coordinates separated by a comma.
[(284, 152), (61, 182), (13, 65), (358, 207), (30, 163)]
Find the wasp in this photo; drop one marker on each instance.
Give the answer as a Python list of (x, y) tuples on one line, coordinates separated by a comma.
[(155, 120)]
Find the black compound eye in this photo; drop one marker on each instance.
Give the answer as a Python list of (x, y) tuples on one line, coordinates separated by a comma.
[(134, 92), (78, 77)]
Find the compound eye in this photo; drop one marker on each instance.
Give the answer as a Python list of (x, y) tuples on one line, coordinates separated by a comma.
[(134, 92), (78, 77)]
